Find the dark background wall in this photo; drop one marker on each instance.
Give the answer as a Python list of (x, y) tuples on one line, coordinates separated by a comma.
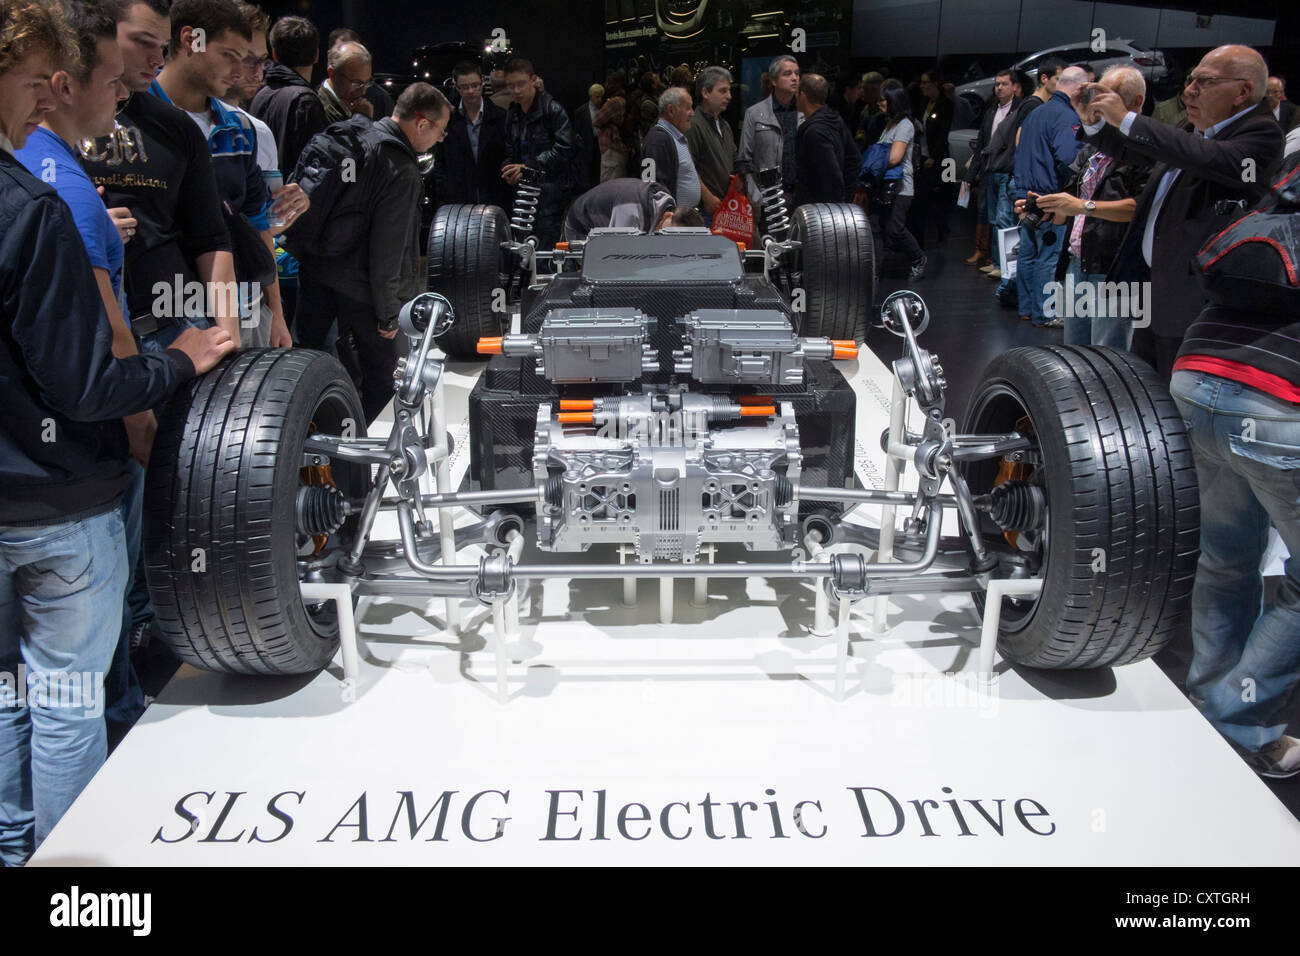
[(573, 42), (564, 40)]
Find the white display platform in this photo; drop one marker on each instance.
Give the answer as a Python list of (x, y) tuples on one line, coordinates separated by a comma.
[(681, 730)]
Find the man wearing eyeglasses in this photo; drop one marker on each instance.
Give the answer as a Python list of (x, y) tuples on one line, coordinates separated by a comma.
[(348, 71), (1202, 174), (467, 163), (538, 136)]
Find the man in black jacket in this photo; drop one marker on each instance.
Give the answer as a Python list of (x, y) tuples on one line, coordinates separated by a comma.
[(538, 136), (996, 207), (63, 460), (467, 163), (1200, 178), (828, 158), (365, 288), (287, 103)]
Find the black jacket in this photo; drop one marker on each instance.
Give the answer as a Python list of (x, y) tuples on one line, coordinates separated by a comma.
[(63, 449), (384, 269), (457, 176), (618, 202), (978, 159), (828, 159), (291, 108), (1193, 211), (543, 140), (1101, 238), (587, 153), (936, 123), (659, 145)]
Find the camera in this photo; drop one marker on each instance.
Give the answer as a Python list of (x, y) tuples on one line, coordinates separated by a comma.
[(1034, 218), (1033, 215)]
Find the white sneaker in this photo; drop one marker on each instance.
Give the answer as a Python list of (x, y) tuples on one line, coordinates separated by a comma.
[(1279, 760)]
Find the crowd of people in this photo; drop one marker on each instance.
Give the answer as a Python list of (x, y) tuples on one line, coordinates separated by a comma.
[(154, 153)]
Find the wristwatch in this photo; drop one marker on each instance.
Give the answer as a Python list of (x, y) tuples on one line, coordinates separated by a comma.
[(1089, 208)]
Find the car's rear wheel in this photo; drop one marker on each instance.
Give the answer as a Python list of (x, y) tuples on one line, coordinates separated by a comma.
[(465, 265), (224, 548), (1106, 502), (836, 273)]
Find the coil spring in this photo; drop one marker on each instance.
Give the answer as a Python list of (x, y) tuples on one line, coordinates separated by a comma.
[(524, 213), (774, 211)]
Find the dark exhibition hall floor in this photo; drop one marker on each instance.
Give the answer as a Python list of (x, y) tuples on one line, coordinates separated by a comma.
[(968, 328)]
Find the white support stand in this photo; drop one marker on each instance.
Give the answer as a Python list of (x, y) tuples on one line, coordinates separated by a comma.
[(629, 583), (822, 624), (442, 485), (341, 595), (701, 595), (514, 549), (499, 626), (842, 646), (893, 469), (1024, 587), (666, 600)]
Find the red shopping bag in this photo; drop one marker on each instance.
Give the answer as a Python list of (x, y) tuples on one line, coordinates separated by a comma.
[(735, 217)]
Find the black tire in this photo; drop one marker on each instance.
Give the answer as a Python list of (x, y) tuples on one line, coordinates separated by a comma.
[(837, 268), (1123, 515), (220, 537), (465, 266)]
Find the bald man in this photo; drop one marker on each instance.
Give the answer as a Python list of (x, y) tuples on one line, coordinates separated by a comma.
[(1200, 178), (348, 70)]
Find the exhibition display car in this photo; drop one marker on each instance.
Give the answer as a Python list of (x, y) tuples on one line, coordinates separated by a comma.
[(669, 407)]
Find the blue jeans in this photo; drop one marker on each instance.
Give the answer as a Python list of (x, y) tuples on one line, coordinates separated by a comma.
[(61, 589), (1001, 204), (1002, 197), (1036, 268), (162, 340), (1246, 662), (1113, 330)]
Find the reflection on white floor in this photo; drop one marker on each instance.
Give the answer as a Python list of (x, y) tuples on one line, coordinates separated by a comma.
[(716, 739)]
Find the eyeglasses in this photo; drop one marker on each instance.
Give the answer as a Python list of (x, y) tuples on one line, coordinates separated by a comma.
[(469, 87), (1206, 81), (255, 64), (517, 87)]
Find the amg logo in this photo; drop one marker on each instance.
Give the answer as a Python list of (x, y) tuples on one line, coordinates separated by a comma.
[(641, 256)]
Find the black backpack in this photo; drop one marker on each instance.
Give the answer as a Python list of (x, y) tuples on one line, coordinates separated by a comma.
[(331, 170)]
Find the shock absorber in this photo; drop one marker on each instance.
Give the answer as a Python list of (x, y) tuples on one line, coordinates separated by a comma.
[(775, 214), (524, 214)]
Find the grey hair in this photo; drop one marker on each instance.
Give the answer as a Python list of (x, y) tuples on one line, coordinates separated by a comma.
[(342, 52), (671, 97), (712, 76), (774, 68), (1071, 78), (1129, 83)]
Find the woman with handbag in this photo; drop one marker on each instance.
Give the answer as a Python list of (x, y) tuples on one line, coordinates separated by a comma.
[(892, 196)]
